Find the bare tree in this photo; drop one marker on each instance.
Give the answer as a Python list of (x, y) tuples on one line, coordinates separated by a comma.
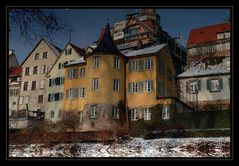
[(33, 24)]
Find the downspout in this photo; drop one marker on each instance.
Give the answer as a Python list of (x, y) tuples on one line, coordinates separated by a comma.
[(125, 98)]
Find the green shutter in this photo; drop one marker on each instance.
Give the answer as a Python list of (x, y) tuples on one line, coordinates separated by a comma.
[(221, 83), (57, 81), (199, 85), (49, 82), (209, 85)]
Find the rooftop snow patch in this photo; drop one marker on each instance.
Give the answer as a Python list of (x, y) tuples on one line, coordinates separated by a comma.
[(144, 51), (78, 61), (209, 70)]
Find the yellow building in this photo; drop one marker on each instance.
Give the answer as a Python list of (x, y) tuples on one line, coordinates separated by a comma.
[(140, 79)]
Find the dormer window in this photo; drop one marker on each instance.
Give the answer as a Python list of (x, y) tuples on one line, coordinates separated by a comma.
[(68, 51), (223, 35)]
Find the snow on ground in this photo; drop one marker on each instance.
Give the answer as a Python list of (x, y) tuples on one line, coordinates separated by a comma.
[(136, 147)]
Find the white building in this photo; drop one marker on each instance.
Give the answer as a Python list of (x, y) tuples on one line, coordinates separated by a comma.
[(206, 87), (55, 81)]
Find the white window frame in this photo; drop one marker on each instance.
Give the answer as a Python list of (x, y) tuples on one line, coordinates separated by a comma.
[(116, 85), (116, 63), (215, 88), (93, 111), (115, 112), (147, 114), (26, 99), (134, 114), (95, 84), (81, 92), (148, 63), (82, 72), (21, 100), (96, 62), (80, 117), (148, 86), (42, 84), (165, 112), (193, 86)]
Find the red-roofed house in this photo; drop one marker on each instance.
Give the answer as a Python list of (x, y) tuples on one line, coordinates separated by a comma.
[(208, 41), (14, 88)]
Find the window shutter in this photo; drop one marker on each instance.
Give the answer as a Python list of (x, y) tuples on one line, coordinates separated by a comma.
[(49, 82), (30, 70), (221, 83), (187, 87), (37, 84), (29, 85), (199, 85), (209, 85), (151, 62), (49, 97), (152, 85)]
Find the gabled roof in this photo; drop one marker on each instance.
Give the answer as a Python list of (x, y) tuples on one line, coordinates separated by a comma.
[(206, 34), (143, 51), (80, 52), (15, 71), (106, 44), (56, 50)]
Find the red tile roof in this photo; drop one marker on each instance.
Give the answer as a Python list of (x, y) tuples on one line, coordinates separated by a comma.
[(206, 34), (15, 71)]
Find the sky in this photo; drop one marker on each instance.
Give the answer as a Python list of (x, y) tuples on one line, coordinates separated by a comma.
[(87, 24)]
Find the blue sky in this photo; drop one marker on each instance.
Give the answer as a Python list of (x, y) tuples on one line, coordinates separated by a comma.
[(87, 24)]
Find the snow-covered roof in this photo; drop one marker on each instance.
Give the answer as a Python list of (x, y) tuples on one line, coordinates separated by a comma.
[(143, 51), (78, 61), (209, 70)]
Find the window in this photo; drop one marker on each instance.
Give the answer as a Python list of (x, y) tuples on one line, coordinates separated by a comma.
[(44, 55), (59, 113), (148, 63), (72, 93), (147, 114), (68, 51), (161, 68), (134, 114), (95, 61), (13, 92), (80, 117), (26, 99), (35, 70), (42, 84), (116, 86), (116, 63), (82, 72), (43, 69), (36, 56), (33, 85), (27, 71), (59, 66), (40, 98), (93, 111), (165, 112), (115, 112), (81, 92), (227, 46), (21, 100), (25, 86), (52, 114), (194, 86), (214, 85), (72, 73), (95, 84), (148, 86)]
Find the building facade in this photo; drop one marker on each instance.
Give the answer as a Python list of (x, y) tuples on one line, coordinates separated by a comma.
[(209, 44), (34, 69), (14, 89), (99, 84), (207, 87), (55, 81)]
